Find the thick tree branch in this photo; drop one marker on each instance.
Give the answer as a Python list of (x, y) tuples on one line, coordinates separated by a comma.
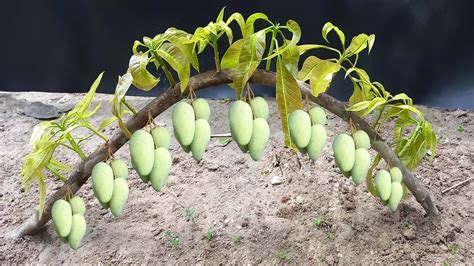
[(209, 79)]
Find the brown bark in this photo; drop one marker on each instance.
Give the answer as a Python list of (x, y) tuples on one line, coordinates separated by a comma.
[(208, 79)]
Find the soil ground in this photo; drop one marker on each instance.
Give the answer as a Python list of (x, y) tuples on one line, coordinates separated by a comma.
[(239, 216)]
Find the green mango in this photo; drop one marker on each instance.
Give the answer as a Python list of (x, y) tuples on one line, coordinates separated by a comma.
[(61, 215), (361, 139), (299, 124), (202, 136), (161, 168), (119, 197), (141, 152), (396, 174), (383, 184), (259, 108), (241, 122), (120, 168), (259, 139), (145, 179), (344, 152), (183, 123), (346, 173), (102, 181), (161, 137), (78, 230), (244, 148), (361, 166), (77, 205), (104, 205), (396, 195), (317, 141), (186, 149), (318, 116), (201, 109)]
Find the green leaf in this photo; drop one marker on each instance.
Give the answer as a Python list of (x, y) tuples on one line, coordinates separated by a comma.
[(402, 96), (249, 59), (121, 89), (220, 17), (288, 97), (85, 102), (142, 78), (319, 72), (309, 65), (240, 21), (358, 44), (224, 141), (328, 27), (249, 24), (358, 106), (291, 58), (322, 76), (370, 173), (231, 56), (374, 103), (178, 61), (370, 41)]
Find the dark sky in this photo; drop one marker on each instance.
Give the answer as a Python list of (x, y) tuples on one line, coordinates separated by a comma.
[(422, 47)]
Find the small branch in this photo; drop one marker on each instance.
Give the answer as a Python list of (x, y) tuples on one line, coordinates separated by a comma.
[(457, 185)]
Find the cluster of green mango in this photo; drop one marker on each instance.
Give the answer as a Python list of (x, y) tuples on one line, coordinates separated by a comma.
[(109, 183), (68, 220), (307, 131), (352, 156), (249, 127), (389, 186), (150, 156), (191, 126)]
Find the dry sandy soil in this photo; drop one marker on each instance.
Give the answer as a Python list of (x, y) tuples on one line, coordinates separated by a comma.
[(253, 221)]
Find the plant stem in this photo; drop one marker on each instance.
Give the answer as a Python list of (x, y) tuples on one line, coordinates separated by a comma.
[(272, 44), (76, 147), (379, 115), (129, 106), (216, 56), (168, 75), (104, 137)]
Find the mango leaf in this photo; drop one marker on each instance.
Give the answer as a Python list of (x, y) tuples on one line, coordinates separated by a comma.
[(328, 27), (142, 78), (288, 97), (361, 93), (183, 41), (370, 42), (291, 58), (358, 106), (402, 96), (322, 75), (121, 89), (370, 173), (309, 65), (249, 59), (240, 21), (306, 47), (178, 61), (359, 43), (42, 193), (220, 16), (231, 56), (83, 105), (374, 103), (249, 23)]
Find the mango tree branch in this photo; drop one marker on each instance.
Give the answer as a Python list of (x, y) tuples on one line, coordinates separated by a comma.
[(209, 79)]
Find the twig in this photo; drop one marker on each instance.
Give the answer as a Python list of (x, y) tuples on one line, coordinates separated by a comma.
[(457, 185)]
